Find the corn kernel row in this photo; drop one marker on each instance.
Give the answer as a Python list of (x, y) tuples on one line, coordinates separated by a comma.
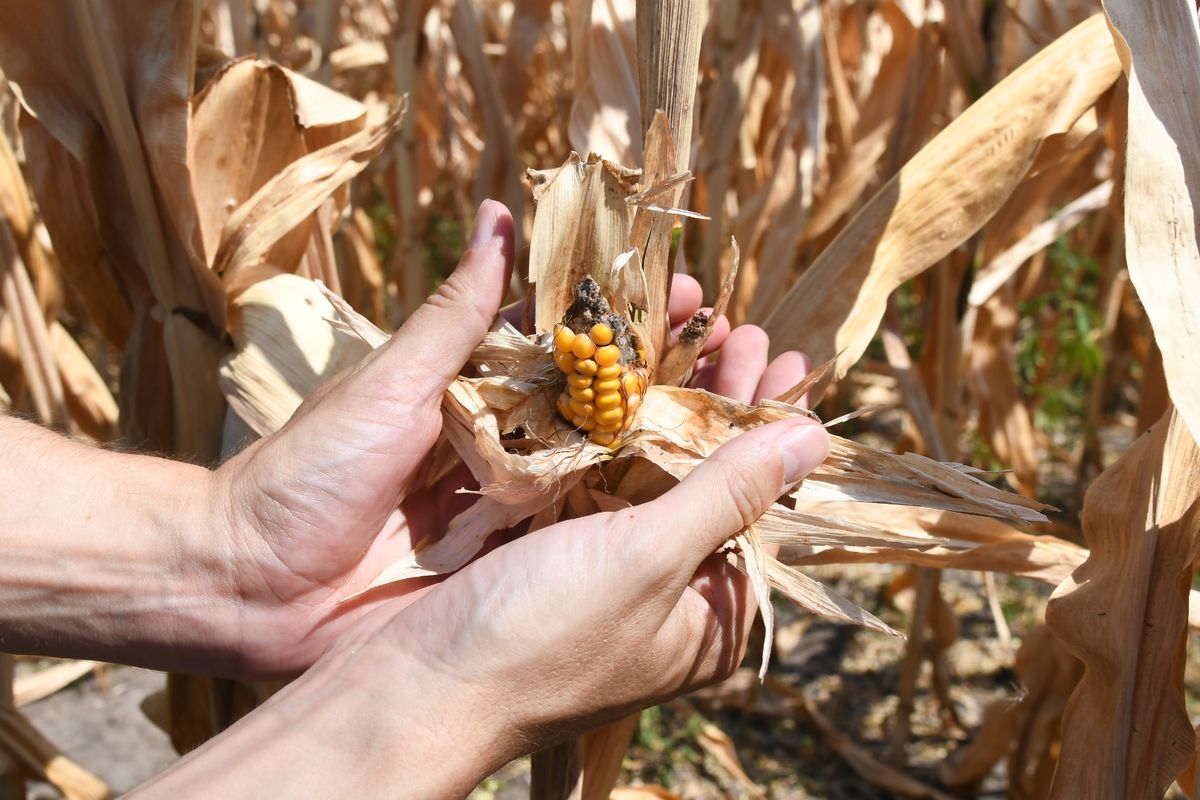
[(601, 394)]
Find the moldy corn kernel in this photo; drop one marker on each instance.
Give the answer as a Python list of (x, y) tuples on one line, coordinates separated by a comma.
[(603, 367)]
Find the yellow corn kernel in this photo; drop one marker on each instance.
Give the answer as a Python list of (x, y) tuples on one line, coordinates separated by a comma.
[(611, 416), (579, 421), (589, 425), (582, 346), (607, 401), (631, 383), (583, 395), (616, 426), (585, 366), (601, 333), (603, 438), (582, 409), (563, 338), (605, 387), (565, 362), (579, 381), (609, 372), (608, 355)]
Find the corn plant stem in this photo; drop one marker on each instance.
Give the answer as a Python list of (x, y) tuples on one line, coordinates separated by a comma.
[(920, 409), (32, 334), (556, 772), (12, 784), (414, 284), (498, 176), (927, 581), (123, 132), (325, 14), (668, 35), (1002, 631), (239, 23)]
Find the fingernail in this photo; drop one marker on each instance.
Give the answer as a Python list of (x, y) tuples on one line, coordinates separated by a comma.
[(485, 226), (803, 446)]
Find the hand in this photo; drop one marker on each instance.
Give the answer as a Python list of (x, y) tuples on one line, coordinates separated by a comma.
[(315, 512), (584, 621), (544, 637)]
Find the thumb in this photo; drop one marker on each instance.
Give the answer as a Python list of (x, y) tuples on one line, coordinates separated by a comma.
[(433, 345), (729, 491)]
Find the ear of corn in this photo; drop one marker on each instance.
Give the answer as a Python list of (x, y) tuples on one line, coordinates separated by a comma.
[(603, 367)]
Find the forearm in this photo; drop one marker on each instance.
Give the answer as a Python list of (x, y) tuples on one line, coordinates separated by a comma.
[(364, 722), (107, 555)]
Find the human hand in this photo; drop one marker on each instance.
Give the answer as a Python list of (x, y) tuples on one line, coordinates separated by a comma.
[(584, 621), (313, 513)]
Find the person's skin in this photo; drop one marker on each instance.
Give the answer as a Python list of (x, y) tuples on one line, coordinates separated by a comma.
[(425, 686)]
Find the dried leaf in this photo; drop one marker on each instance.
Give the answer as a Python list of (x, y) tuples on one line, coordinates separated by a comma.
[(289, 197), (1126, 732), (1160, 52), (942, 196)]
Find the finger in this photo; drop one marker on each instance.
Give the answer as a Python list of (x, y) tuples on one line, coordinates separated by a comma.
[(726, 493), (427, 353), (742, 362), (369, 432), (783, 373), (684, 300), (702, 378)]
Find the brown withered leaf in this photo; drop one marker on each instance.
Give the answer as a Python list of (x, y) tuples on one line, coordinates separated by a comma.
[(558, 194), (288, 198), (652, 231), (112, 82), (58, 180), (940, 197), (284, 350), (605, 113), (89, 401), (32, 334), (1124, 613), (927, 537), (281, 117), (1160, 52)]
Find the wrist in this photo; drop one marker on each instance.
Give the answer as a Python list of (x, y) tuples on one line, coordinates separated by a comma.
[(436, 712)]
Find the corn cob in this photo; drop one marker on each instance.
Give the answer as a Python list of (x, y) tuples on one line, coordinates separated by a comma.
[(604, 369)]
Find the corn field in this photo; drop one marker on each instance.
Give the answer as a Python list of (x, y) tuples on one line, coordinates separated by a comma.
[(976, 218)]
